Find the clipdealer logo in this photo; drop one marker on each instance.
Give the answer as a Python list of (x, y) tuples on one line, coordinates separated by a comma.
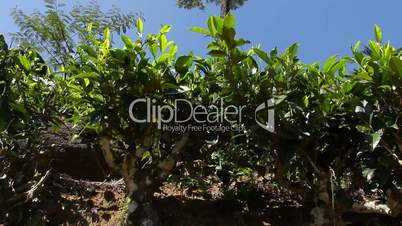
[(203, 116)]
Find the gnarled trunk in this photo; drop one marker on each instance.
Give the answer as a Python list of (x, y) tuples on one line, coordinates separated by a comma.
[(323, 213), (142, 181), (141, 210)]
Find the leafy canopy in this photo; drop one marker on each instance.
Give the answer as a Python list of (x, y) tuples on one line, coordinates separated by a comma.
[(57, 32)]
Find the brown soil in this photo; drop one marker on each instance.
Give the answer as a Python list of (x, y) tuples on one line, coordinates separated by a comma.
[(67, 201), (83, 193)]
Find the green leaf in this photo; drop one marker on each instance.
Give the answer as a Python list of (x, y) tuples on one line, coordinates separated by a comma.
[(229, 36), (164, 57), (211, 25), (173, 51), (127, 42), (339, 66), (217, 53), (378, 33), (218, 22), (107, 34), (241, 42), (165, 29), (162, 43), (89, 27), (90, 75), (200, 30), (145, 155), (364, 76), (291, 51), (140, 25), (363, 128), (356, 46), (19, 107), (25, 62), (168, 85), (347, 87), (376, 138), (229, 21), (183, 63), (89, 50), (263, 55), (375, 49), (169, 43), (306, 101), (153, 49), (396, 65), (118, 54), (385, 88), (87, 82), (329, 64)]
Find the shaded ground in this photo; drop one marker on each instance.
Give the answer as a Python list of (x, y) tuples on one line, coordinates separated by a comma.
[(67, 201), (80, 192)]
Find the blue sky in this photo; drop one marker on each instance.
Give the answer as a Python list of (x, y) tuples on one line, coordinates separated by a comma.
[(322, 27)]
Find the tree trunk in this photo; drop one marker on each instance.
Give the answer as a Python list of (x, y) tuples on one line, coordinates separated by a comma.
[(141, 211), (141, 183), (225, 7), (323, 214)]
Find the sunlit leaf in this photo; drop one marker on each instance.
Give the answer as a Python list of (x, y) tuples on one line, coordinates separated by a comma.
[(376, 138), (229, 21), (378, 33), (200, 30), (140, 25)]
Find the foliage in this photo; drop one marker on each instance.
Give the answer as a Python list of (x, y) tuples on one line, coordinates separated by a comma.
[(330, 124), (57, 32), (333, 126), (27, 90), (106, 80), (27, 107)]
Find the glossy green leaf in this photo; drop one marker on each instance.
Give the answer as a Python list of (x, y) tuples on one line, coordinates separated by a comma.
[(263, 55), (200, 30), (378, 33), (218, 22), (127, 42), (183, 63), (291, 51), (162, 43), (211, 26), (376, 138), (165, 29), (356, 46), (25, 62), (329, 64), (172, 51), (229, 21), (140, 25), (89, 27), (107, 34)]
